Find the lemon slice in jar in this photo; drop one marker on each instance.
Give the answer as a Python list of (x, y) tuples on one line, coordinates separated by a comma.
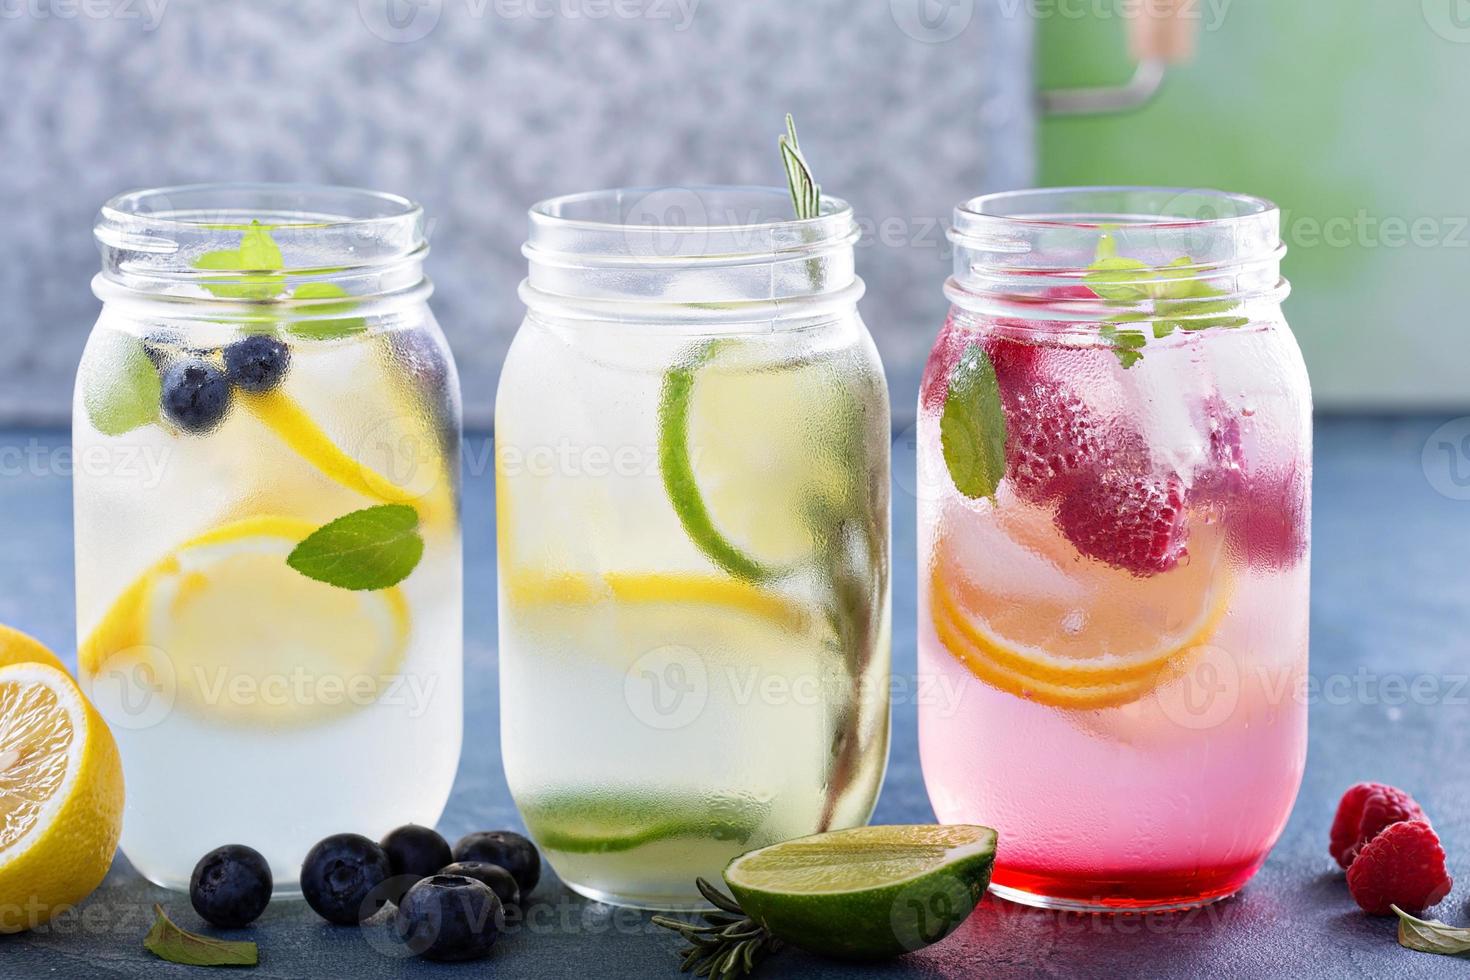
[(61, 794), (1063, 632), (234, 634)]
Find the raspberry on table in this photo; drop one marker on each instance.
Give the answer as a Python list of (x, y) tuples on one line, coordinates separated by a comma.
[(1365, 810), (1403, 866)]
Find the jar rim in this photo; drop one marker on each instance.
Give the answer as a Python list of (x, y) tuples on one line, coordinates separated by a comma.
[(200, 205), (1139, 208)]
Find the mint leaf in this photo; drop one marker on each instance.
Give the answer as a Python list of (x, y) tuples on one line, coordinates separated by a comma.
[(972, 426), (1431, 935), (1127, 343), (326, 329), (122, 389), (367, 549), (257, 253), (168, 942)]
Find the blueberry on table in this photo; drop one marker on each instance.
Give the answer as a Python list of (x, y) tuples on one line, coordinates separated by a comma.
[(501, 882), (340, 878), (414, 852), (257, 363), (196, 395), (231, 886), (450, 917), (506, 848)]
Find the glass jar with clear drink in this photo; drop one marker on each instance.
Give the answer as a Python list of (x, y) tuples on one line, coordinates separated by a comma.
[(692, 507), (1114, 450), (268, 535)]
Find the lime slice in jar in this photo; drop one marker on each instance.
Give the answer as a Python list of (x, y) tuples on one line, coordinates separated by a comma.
[(869, 892), (598, 824), (752, 455)]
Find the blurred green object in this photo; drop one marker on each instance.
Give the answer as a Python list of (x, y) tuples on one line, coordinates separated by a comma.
[(1351, 118)]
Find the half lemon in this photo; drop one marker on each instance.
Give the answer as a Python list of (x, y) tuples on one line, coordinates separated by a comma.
[(61, 795)]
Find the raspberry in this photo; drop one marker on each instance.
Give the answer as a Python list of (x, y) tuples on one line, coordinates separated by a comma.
[(1403, 866), (1262, 512), (1363, 813), (1051, 439), (1130, 522)]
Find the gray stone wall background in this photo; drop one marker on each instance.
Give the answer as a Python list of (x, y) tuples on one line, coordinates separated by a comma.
[(478, 108)]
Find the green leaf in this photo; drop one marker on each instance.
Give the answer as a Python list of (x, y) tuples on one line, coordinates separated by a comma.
[(326, 329), (972, 426), (1118, 279), (806, 193), (1431, 935), (1127, 343), (367, 549), (257, 253), (122, 389), (168, 942)]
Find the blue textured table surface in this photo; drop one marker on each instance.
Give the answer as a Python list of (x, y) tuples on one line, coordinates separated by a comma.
[(1390, 604)]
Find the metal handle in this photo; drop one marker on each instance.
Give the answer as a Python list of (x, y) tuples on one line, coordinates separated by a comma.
[(1158, 35)]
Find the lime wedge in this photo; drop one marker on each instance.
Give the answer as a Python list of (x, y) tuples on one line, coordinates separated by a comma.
[(866, 893), (604, 825)]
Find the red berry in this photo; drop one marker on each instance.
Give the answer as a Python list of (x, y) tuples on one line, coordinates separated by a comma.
[(1363, 812), (1403, 866), (1344, 833), (1051, 439), (1133, 522), (1382, 807)]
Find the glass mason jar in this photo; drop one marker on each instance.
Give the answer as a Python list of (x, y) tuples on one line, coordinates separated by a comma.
[(692, 505), (267, 530), (1114, 450)]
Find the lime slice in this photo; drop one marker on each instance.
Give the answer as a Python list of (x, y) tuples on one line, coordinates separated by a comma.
[(866, 893), (605, 825), (756, 455)]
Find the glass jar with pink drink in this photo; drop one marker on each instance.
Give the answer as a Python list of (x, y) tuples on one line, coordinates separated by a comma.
[(1114, 453)]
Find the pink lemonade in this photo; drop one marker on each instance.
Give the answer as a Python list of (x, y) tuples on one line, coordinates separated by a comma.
[(1113, 572)]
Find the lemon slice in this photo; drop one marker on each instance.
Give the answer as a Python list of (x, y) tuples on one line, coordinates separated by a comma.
[(61, 795), (432, 494), (1068, 632), (242, 637), (529, 589)]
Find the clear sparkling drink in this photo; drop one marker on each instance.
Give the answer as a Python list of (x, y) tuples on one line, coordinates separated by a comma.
[(692, 480), (1115, 457), (268, 541)]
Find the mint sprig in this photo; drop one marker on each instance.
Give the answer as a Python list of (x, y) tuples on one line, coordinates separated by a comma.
[(260, 257), (972, 426), (1179, 301), (1431, 935), (365, 550), (168, 942)]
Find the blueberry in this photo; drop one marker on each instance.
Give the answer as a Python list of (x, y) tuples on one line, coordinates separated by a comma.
[(231, 886), (340, 875), (414, 852), (450, 917), (506, 848), (257, 363), (196, 395), (500, 880)]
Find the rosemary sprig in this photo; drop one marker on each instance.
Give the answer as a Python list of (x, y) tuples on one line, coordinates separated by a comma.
[(730, 944), (806, 193)]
